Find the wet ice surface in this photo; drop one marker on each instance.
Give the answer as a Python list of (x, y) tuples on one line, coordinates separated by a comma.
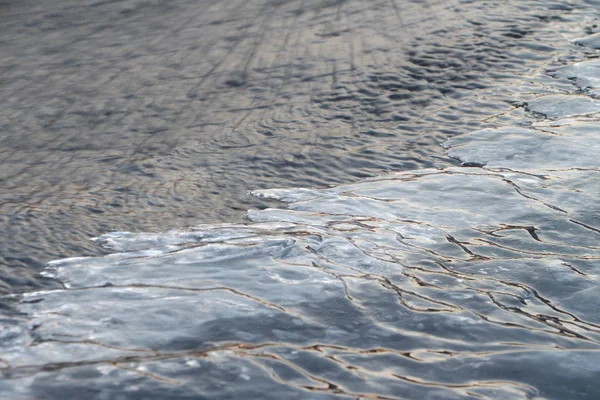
[(584, 74), (561, 106), (592, 41), (470, 282)]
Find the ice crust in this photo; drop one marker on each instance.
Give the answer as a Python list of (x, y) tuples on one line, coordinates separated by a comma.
[(563, 106), (585, 74), (479, 280), (591, 41)]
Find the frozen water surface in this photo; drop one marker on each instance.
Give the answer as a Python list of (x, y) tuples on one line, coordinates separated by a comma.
[(470, 282), (585, 74), (561, 106)]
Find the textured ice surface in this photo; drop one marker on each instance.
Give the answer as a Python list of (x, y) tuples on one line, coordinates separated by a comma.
[(552, 147), (585, 74), (561, 106), (470, 282), (592, 41)]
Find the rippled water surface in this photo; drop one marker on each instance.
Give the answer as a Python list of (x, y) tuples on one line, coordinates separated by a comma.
[(470, 272), (143, 115)]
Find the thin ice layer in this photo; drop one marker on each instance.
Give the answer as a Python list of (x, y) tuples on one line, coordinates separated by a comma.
[(592, 41), (575, 146), (585, 74), (563, 106)]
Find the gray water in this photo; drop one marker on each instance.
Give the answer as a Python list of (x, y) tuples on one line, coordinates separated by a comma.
[(143, 115), (469, 274)]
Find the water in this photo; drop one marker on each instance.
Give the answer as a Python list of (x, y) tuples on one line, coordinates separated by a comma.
[(141, 116), (478, 280)]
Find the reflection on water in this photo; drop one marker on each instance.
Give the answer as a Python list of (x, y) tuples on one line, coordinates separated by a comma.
[(476, 281), (142, 116)]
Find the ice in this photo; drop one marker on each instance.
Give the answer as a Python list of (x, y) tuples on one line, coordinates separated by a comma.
[(573, 146), (591, 41), (562, 106), (585, 74)]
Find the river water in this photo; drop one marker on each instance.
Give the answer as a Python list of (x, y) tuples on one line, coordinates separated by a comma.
[(141, 116), (461, 271)]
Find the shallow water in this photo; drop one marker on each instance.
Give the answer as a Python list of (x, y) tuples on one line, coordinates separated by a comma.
[(479, 280), (134, 115)]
